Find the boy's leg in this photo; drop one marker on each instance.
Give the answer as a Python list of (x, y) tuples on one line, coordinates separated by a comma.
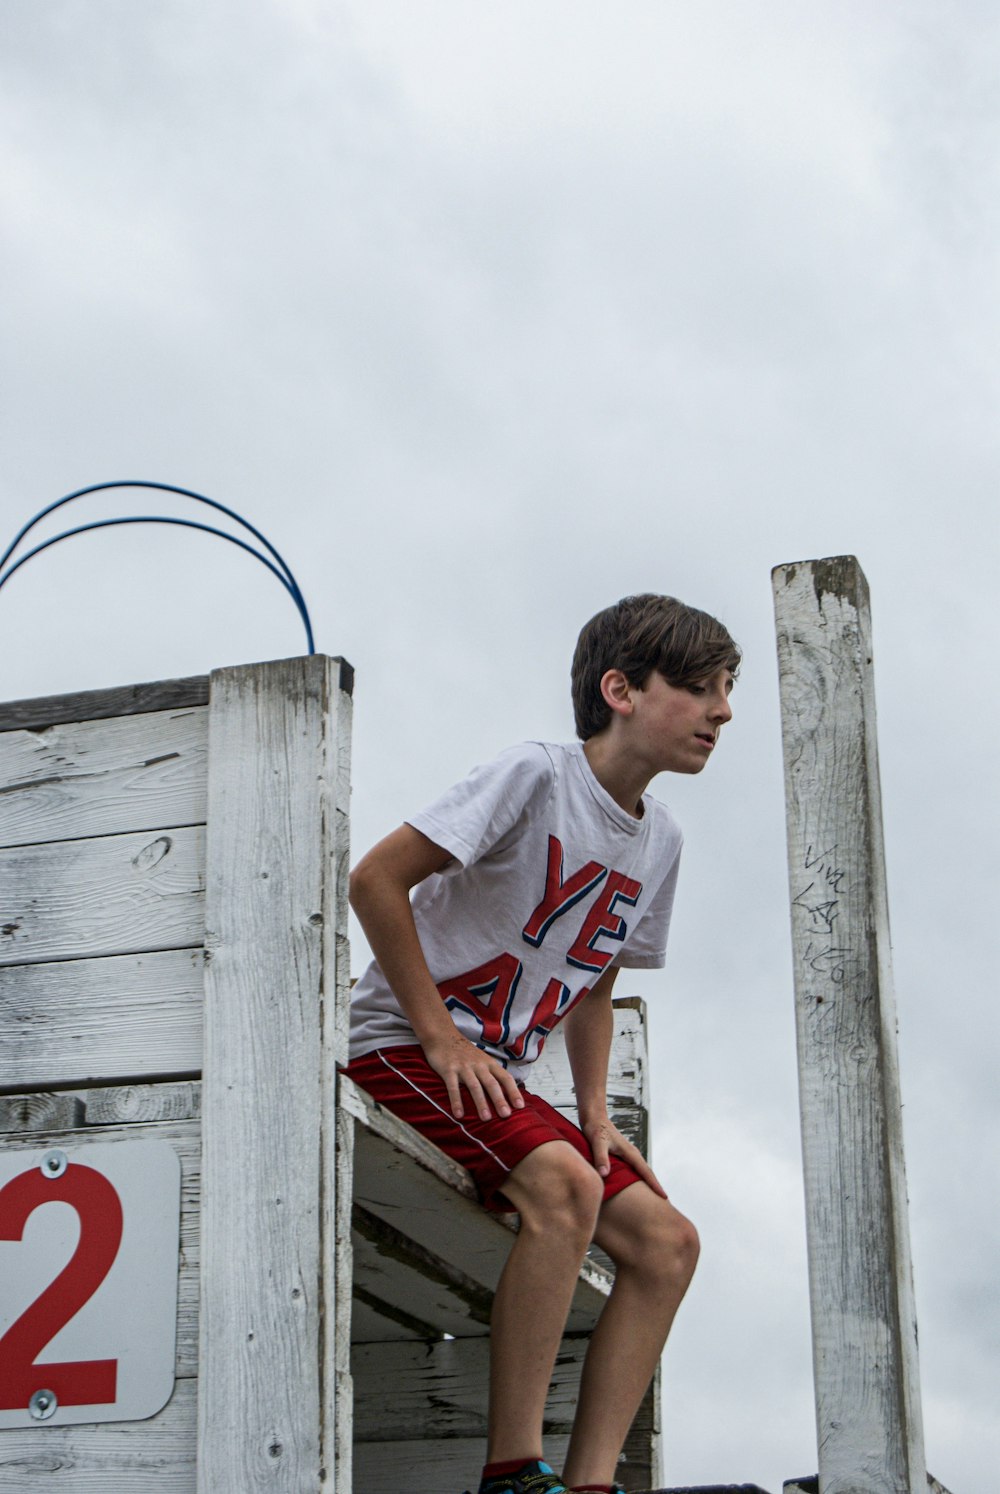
[(558, 1195), (655, 1250)]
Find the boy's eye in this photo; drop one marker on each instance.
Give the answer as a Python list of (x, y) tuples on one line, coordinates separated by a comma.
[(696, 689)]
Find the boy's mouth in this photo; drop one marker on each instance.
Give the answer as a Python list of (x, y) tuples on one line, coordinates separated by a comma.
[(706, 737)]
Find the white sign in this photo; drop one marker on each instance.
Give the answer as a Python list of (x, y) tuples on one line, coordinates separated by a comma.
[(89, 1239)]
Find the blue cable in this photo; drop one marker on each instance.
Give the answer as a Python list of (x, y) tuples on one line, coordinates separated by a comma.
[(282, 570)]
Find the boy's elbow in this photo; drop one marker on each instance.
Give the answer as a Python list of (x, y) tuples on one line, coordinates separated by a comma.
[(359, 884)]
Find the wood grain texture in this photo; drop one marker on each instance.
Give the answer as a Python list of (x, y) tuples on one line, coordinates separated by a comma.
[(117, 894), (94, 705), (134, 1457), (133, 1104), (70, 1022), (864, 1327), (276, 860), (89, 778)]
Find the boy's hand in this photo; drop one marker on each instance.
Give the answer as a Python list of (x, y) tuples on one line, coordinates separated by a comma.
[(459, 1063), (605, 1140)]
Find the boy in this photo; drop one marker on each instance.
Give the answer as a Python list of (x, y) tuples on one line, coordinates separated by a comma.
[(536, 879)]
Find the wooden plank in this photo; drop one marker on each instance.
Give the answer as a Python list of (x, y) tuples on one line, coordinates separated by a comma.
[(88, 778), (628, 1083), (115, 1457), (185, 1137), (344, 1305), (95, 705), (864, 1322), (121, 1105), (406, 1391), (124, 894), (123, 700), (627, 1068), (375, 1322), (71, 1022), (276, 874), (407, 1182), (810, 1485), (418, 1287)]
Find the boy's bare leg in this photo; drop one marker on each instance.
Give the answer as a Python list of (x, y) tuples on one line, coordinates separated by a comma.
[(655, 1250), (558, 1195)]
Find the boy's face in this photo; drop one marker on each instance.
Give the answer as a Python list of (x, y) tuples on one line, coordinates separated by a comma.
[(675, 727)]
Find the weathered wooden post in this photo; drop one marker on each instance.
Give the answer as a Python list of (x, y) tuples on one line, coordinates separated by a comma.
[(864, 1327), (276, 854)]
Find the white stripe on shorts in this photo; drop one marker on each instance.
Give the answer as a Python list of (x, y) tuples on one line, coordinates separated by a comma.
[(446, 1113)]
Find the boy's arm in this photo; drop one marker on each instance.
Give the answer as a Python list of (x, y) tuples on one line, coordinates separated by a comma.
[(380, 896), (589, 1029)]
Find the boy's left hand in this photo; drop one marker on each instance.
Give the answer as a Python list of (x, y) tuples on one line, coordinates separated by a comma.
[(606, 1140)]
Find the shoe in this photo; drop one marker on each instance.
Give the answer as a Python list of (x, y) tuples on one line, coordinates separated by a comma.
[(533, 1478)]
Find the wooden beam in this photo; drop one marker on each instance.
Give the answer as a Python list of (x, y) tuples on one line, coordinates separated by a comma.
[(115, 894), (111, 1457), (86, 778), (43, 711), (275, 981), (864, 1325), (97, 705), (128, 1017)]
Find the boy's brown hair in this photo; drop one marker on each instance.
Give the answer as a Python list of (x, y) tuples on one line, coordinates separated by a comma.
[(639, 635)]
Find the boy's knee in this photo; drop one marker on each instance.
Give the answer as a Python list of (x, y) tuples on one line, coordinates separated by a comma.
[(565, 1192), (660, 1242)]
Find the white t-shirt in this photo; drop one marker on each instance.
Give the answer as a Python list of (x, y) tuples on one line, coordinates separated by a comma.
[(550, 883)]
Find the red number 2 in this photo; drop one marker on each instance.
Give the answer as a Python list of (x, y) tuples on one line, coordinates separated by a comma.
[(88, 1382)]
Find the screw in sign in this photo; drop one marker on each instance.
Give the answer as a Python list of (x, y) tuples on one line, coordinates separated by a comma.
[(88, 1282)]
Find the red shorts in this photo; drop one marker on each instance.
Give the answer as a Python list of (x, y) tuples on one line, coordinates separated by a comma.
[(403, 1081)]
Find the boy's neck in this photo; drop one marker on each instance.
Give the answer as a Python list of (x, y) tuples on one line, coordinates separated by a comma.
[(617, 773)]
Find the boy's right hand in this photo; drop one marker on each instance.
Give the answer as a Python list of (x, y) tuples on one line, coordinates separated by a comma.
[(460, 1063)]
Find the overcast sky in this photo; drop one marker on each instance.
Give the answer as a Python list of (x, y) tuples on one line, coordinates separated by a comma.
[(488, 314)]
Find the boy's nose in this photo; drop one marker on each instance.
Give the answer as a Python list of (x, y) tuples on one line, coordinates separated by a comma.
[(722, 710)]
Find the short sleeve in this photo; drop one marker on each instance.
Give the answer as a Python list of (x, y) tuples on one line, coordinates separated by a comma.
[(491, 806), (646, 946)]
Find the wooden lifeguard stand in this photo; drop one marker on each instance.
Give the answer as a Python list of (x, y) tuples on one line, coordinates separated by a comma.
[(174, 966)]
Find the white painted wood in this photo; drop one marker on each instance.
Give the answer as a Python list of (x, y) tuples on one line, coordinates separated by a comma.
[(410, 1390), (118, 894), (91, 778), (627, 1076), (864, 1326), (138, 1457), (45, 711), (276, 865), (430, 1291), (131, 1104), (338, 1342), (71, 1022)]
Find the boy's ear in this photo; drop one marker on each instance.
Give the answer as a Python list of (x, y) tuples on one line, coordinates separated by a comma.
[(617, 692)]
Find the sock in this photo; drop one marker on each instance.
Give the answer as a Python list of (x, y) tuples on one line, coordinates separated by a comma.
[(595, 1489), (496, 1476)]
